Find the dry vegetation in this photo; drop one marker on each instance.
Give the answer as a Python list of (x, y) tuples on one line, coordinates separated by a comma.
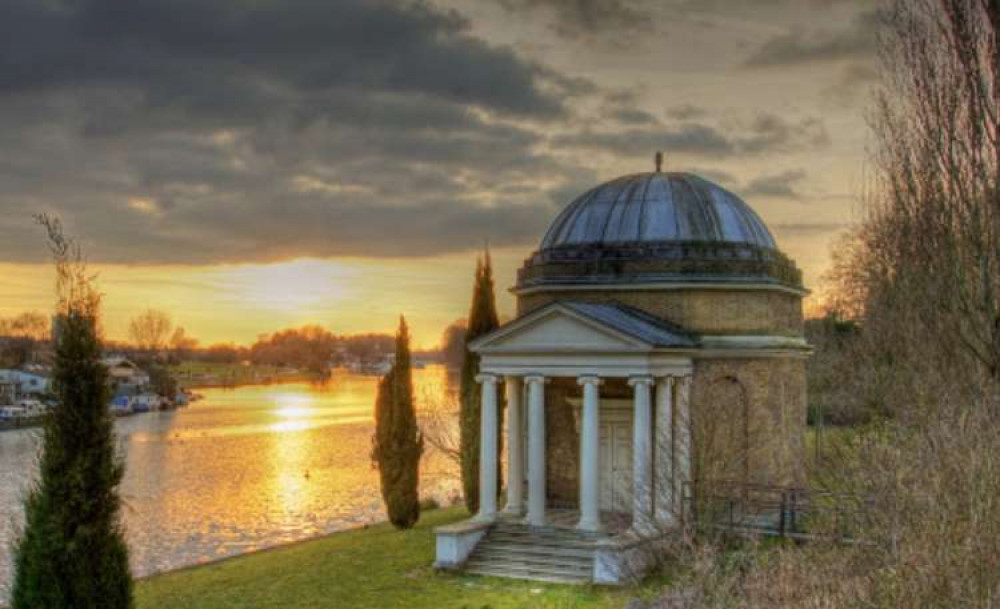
[(921, 275)]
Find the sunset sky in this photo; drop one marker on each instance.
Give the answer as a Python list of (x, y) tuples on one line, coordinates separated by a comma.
[(249, 165)]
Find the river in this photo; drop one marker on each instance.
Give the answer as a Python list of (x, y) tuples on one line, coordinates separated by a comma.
[(242, 469)]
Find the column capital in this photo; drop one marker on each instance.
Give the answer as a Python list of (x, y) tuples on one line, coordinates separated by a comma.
[(535, 378), (645, 379), (486, 377), (669, 379), (589, 379)]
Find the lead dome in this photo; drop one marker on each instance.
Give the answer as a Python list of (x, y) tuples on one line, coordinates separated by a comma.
[(658, 228), (657, 207)]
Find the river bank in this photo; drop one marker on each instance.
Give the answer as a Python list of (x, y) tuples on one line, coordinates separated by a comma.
[(241, 469), (376, 566), (203, 375), (21, 423)]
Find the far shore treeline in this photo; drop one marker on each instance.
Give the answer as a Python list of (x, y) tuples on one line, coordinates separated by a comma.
[(26, 338)]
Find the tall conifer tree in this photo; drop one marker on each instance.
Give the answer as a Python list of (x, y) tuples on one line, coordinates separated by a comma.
[(398, 443), (72, 554), (482, 320)]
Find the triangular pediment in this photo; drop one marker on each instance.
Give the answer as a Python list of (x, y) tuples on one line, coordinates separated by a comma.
[(554, 329)]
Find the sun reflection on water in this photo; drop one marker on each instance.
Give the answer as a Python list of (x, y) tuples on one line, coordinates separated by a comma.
[(297, 405), (241, 469)]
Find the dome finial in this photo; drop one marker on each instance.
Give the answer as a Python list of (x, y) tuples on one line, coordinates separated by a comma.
[(658, 159)]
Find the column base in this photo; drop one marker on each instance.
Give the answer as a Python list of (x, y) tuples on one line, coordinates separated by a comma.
[(643, 530), (590, 526), (535, 521), (515, 511), (667, 522), (485, 518)]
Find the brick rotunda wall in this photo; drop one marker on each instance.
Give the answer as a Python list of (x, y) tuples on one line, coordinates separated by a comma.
[(704, 311), (562, 443), (749, 418)]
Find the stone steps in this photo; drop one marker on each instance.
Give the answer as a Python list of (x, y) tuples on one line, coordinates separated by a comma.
[(500, 547), (536, 553), (529, 573)]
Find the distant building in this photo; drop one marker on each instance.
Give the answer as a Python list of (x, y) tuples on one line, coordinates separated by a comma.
[(22, 383), (125, 376), (8, 392)]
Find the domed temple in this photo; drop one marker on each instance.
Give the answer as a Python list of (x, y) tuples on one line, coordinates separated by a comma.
[(658, 348)]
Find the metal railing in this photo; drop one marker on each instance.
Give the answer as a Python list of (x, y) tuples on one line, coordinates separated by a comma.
[(774, 511)]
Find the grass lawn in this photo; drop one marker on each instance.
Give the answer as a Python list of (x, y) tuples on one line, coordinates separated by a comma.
[(830, 454), (374, 567)]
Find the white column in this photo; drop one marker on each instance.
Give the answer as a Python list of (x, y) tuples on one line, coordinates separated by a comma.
[(536, 450), (488, 449), (590, 517), (515, 448), (683, 446), (642, 462), (663, 470)]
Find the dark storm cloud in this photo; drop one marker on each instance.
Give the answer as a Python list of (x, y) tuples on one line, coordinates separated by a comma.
[(203, 131), (588, 18), (269, 193), (622, 106), (800, 46), (631, 116), (216, 56), (781, 185), (793, 229), (686, 112), (764, 134)]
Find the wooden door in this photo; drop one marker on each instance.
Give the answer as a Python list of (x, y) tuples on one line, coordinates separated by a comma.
[(616, 466)]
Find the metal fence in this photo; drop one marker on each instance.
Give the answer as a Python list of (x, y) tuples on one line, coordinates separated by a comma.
[(774, 511)]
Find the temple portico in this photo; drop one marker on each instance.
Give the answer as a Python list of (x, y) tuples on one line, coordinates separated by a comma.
[(588, 344), (655, 490)]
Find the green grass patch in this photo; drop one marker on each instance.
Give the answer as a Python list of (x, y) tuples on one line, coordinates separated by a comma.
[(830, 453), (374, 567)]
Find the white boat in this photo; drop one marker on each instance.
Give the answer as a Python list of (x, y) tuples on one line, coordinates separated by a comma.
[(382, 368), (11, 413), (145, 402), (121, 406), (32, 408)]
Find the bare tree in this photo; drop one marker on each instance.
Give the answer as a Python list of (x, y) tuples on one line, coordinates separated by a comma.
[(150, 329), (932, 234), (453, 343), (182, 344), (32, 324), (439, 424), (20, 337)]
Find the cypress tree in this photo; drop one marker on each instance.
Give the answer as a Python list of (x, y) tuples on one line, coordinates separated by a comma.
[(482, 320), (398, 443), (72, 553)]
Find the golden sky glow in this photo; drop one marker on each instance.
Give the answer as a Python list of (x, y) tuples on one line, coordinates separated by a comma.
[(235, 303)]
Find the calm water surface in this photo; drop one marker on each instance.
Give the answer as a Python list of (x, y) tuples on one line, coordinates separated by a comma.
[(240, 470)]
